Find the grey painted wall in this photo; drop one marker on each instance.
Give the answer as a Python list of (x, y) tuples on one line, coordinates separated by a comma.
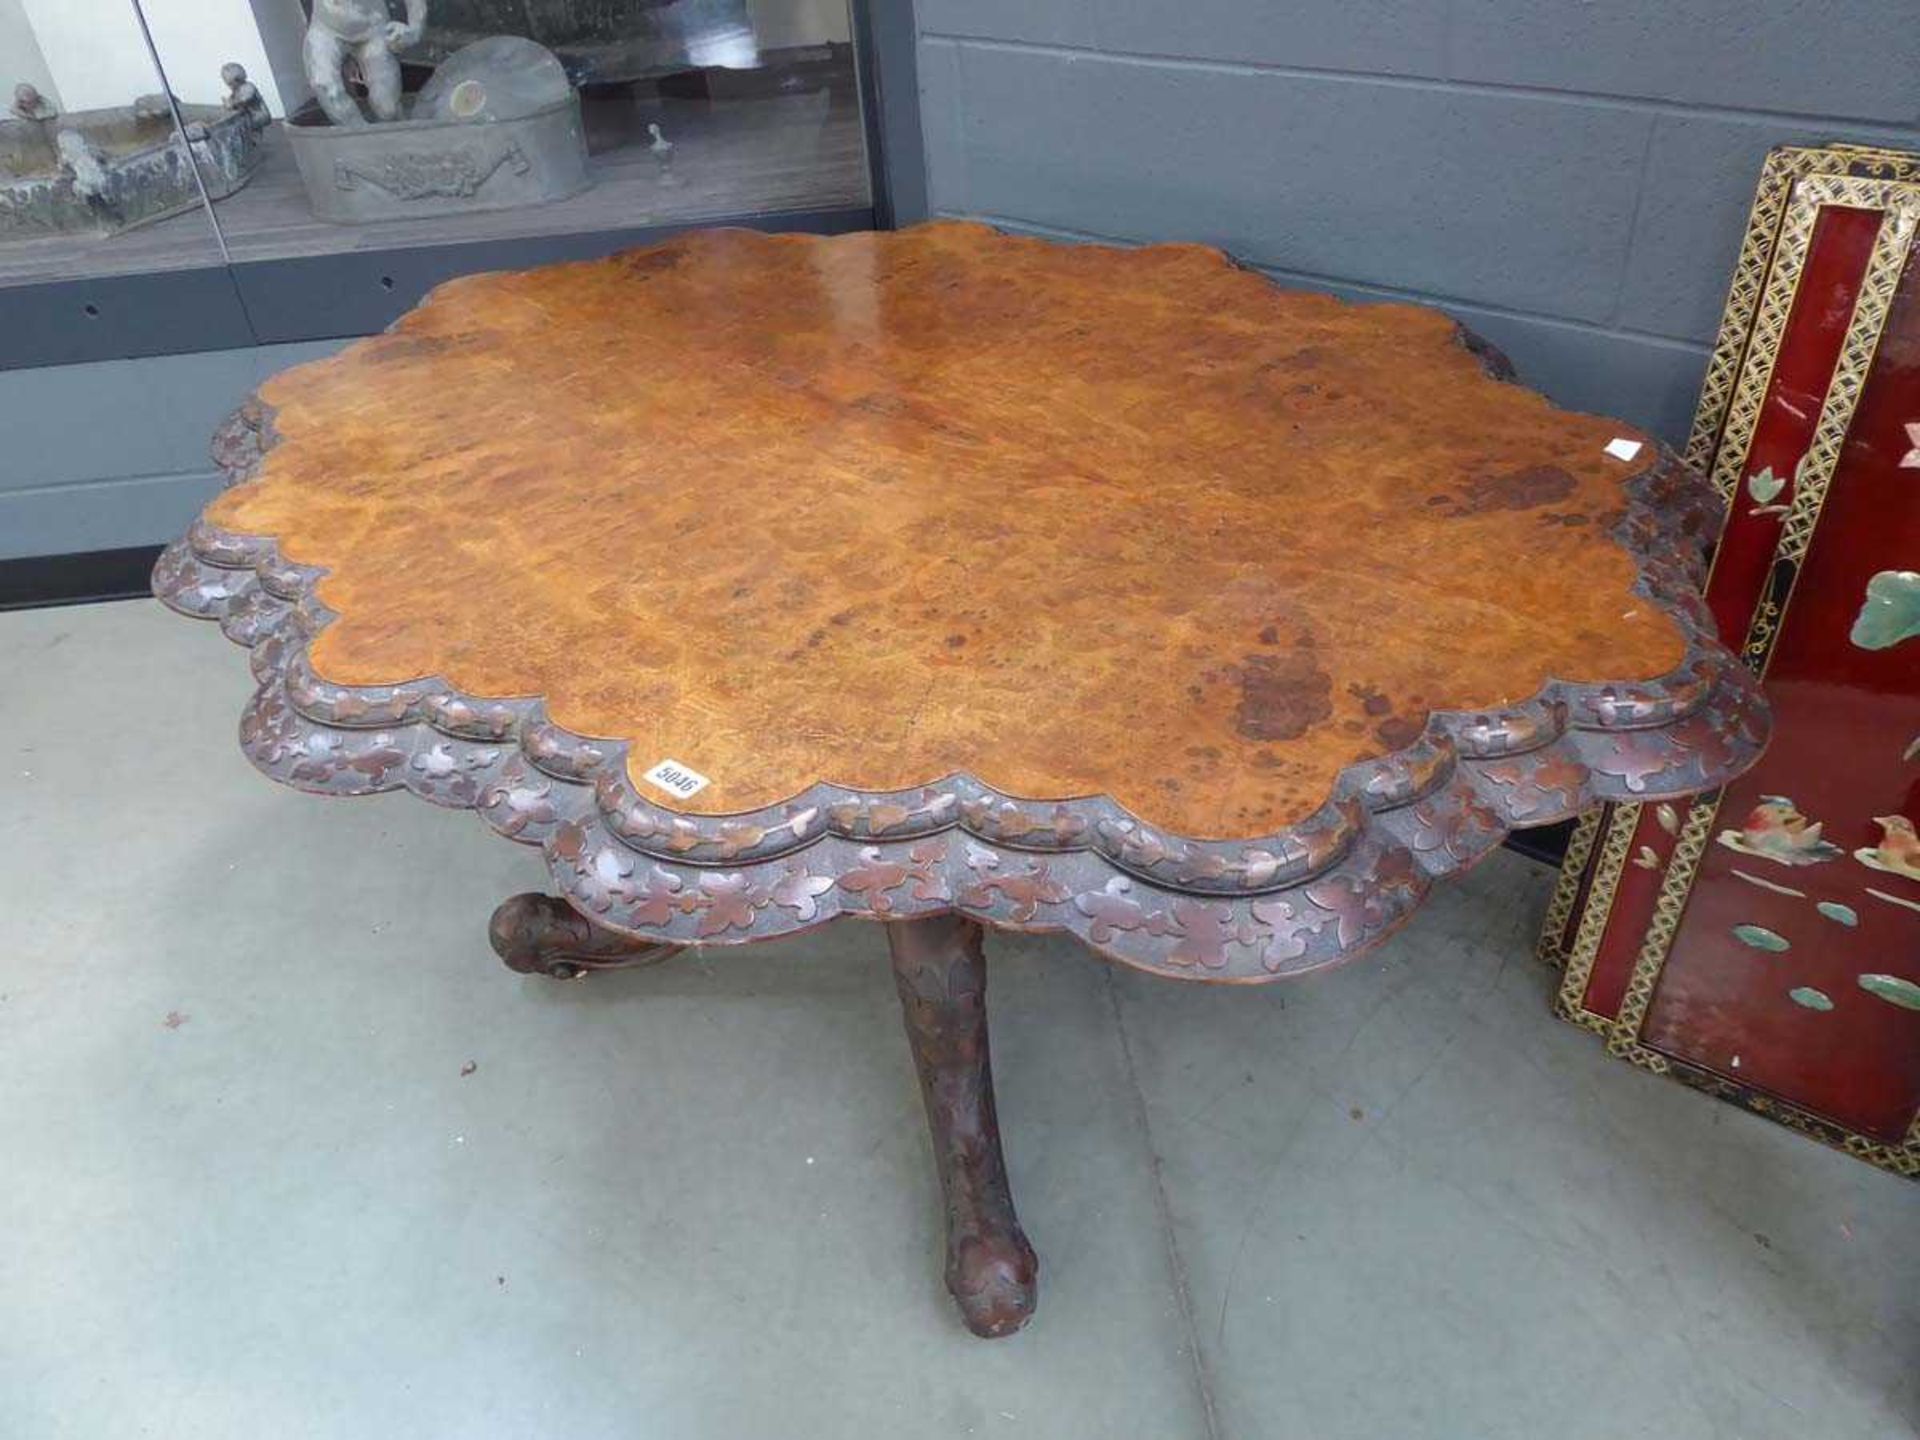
[(114, 454), (1570, 178)]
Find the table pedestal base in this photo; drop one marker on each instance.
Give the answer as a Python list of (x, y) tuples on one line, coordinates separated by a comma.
[(940, 971)]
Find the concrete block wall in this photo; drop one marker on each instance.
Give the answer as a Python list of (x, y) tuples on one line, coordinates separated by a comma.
[(1568, 177)]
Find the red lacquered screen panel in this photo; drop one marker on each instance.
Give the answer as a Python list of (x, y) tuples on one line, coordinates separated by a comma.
[(1754, 969)]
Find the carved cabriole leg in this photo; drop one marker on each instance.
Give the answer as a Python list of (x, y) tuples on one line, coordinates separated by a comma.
[(540, 935), (941, 974)]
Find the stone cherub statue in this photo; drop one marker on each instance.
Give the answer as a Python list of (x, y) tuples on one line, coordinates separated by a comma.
[(243, 95), (30, 104), (82, 164), (365, 31)]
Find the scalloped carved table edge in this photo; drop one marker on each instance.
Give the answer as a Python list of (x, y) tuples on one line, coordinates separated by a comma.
[(1247, 911), (640, 881)]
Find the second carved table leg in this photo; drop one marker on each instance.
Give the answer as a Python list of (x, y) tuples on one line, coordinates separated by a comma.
[(941, 974), (542, 935)]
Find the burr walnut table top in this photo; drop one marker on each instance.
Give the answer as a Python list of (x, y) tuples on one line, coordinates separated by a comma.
[(877, 509), (978, 543)]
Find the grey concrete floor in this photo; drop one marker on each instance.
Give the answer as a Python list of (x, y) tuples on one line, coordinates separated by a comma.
[(286, 1153)]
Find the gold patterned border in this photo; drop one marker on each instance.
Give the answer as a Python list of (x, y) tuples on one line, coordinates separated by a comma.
[(1899, 203), (1668, 906), (1769, 328), (1734, 342), (1552, 948), (1617, 827), (1873, 161), (1736, 339), (1795, 185)]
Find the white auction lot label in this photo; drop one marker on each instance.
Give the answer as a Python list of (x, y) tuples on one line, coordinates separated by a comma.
[(676, 779)]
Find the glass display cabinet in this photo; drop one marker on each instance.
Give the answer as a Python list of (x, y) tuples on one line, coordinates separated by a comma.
[(198, 174)]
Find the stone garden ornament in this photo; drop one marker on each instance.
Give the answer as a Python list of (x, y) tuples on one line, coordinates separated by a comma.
[(366, 32)]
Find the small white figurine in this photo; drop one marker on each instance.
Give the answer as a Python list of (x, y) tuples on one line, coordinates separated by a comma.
[(661, 149), (244, 95), (366, 32), (82, 162), (30, 104)]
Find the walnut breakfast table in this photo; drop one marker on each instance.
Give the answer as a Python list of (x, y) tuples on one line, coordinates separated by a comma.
[(957, 580)]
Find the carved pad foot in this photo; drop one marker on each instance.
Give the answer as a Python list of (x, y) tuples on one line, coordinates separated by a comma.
[(940, 971), (541, 935)]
